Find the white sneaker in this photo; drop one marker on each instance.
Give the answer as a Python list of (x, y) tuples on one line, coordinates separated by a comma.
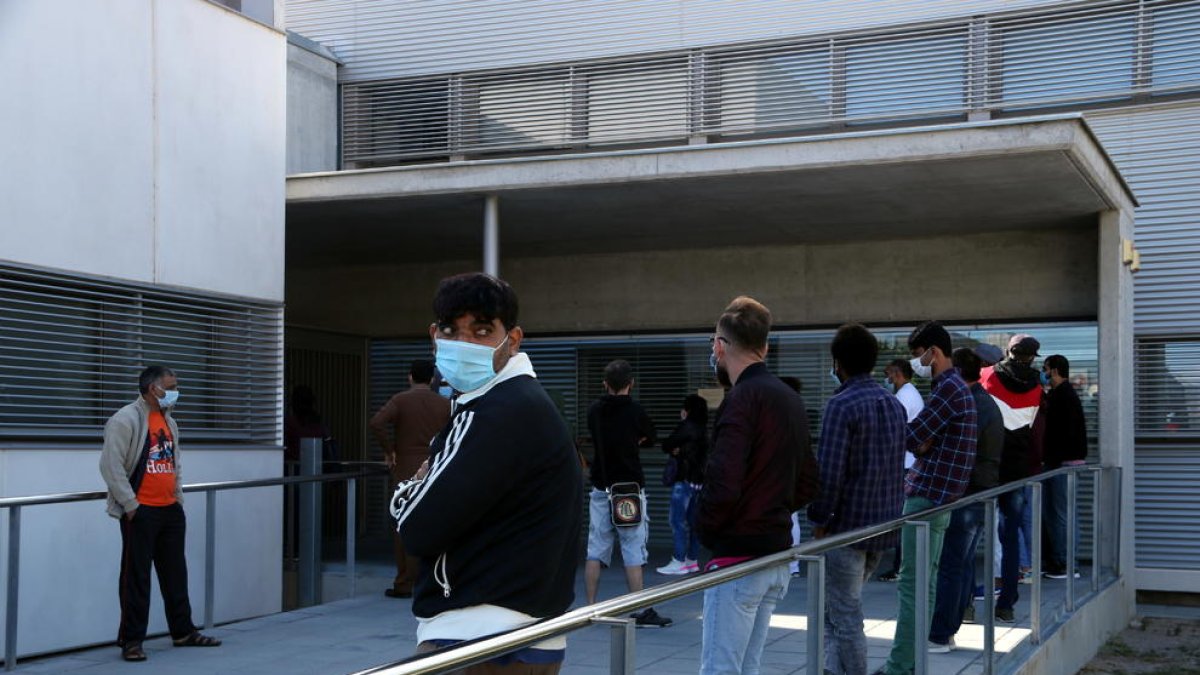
[(935, 648), (690, 566), (674, 567)]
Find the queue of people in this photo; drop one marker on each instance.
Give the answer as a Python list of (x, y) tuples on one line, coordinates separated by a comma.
[(489, 494)]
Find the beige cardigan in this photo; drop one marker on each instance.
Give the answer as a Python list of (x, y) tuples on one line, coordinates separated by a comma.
[(124, 438)]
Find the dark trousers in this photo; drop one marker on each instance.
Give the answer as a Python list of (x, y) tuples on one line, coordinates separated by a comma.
[(154, 537), (1011, 504), (956, 572)]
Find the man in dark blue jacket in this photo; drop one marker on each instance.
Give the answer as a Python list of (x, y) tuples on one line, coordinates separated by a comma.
[(760, 470), (495, 516)]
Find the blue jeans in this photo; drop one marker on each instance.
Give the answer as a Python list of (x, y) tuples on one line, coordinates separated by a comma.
[(1011, 504), (846, 570), (956, 572), (1026, 539), (903, 657), (683, 521), (1054, 512), (736, 617)]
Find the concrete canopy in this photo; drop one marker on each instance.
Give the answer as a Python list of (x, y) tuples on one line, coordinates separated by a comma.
[(1021, 174)]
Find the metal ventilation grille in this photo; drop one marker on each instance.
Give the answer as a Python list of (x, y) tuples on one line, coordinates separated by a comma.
[(1073, 55), (71, 349)]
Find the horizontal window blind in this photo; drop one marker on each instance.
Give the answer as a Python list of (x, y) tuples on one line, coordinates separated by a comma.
[(71, 349), (1167, 389), (1069, 55)]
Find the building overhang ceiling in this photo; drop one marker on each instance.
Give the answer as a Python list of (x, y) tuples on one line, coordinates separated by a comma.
[(1010, 175)]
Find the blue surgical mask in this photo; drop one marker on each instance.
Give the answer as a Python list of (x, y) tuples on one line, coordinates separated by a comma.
[(168, 399), (1044, 377), (887, 384), (833, 374), (712, 362), (466, 366)]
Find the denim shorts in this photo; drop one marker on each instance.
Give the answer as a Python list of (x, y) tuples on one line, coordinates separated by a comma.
[(602, 534)]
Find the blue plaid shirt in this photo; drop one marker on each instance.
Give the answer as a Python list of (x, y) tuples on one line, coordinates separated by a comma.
[(948, 427), (861, 455)]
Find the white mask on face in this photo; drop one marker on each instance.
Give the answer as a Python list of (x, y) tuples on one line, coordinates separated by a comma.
[(920, 369)]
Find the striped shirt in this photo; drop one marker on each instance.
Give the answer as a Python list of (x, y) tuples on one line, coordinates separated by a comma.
[(948, 427)]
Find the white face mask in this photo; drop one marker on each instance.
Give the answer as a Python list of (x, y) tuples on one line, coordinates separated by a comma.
[(920, 369), (168, 399)]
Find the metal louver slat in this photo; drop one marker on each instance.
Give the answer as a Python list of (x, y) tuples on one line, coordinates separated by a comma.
[(73, 347), (1048, 55), (1157, 150), (1167, 506)]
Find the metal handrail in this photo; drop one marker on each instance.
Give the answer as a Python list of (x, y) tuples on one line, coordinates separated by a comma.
[(68, 497), (489, 648), (15, 504)]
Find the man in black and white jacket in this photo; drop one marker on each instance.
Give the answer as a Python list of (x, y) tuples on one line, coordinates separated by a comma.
[(495, 517)]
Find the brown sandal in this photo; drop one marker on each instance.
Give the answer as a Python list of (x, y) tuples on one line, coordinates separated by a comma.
[(197, 639), (133, 652)]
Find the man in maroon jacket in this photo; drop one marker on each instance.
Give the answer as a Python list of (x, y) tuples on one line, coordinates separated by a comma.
[(760, 470)]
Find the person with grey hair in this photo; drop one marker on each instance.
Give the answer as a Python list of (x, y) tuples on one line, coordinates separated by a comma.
[(140, 465)]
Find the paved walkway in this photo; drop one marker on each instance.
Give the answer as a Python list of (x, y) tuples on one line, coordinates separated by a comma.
[(369, 629)]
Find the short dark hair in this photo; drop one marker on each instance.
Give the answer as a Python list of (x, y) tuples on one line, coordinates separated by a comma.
[(746, 322), (151, 375), (855, 349), (930, 334), (421, 371), (967, 362), (1058, 362), (618, 374), (793, 382), (475, 293), (696, 408), (903, 366)]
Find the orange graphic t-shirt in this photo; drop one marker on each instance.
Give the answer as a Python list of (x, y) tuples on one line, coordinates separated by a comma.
[(158, 483)]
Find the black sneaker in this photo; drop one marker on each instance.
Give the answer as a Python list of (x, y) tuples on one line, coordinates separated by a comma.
[(889, 576), (1055, 572), (648, 618), (1005, 615)]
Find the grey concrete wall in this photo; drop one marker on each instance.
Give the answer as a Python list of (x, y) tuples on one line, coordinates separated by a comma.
[(311, 111), (1050, 274)]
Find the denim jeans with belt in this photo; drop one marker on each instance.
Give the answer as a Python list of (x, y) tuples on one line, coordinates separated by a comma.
[(737, 615)]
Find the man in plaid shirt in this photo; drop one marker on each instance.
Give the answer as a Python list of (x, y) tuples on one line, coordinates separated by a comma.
[(943, 439), (861, 455)]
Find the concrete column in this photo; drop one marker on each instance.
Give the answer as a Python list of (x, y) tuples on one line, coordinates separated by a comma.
[(491, 235), (1115, 359)]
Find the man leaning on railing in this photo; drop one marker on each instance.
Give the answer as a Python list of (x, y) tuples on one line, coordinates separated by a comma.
[(140, 465)]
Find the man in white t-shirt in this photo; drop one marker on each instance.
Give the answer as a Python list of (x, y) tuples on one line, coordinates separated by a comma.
[(898, 377)]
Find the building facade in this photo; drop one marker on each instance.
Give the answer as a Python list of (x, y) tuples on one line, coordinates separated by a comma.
[(462, 83), (143, 205)]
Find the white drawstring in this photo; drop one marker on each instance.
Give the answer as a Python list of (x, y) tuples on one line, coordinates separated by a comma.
[(440, 576)]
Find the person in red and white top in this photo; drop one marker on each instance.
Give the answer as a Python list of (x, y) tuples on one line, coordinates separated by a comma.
[(1016, 387)]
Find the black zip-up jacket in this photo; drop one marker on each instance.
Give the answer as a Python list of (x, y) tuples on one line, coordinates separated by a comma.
[(989, 445), (1066, 429), (619, 427), (761, 468), (691, 440), (501, 507)]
